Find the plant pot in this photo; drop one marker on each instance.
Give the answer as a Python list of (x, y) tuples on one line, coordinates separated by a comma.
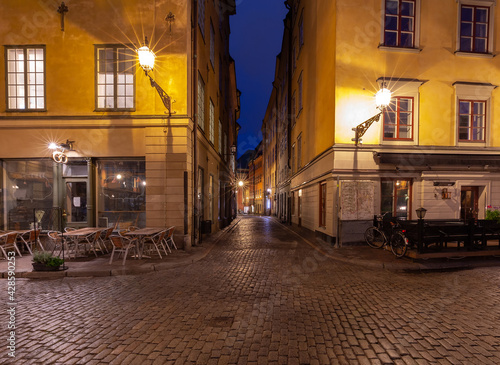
[(38, 266)]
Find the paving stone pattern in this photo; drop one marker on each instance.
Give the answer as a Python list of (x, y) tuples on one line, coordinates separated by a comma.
[(261, 296)]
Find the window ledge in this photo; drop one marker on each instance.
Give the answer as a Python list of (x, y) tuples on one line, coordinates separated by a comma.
[(476, 55), (399, 49)]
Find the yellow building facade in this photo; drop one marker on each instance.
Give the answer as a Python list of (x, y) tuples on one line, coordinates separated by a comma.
[(434, 146), (72, 78)]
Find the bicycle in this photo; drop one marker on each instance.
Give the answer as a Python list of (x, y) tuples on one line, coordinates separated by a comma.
[(384, 226)]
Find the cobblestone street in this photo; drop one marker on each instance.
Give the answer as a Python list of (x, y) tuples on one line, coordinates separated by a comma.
[(261, 296)]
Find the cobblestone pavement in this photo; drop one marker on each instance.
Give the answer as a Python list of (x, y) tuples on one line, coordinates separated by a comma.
[(262, 296)]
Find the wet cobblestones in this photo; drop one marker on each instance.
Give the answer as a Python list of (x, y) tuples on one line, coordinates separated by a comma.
[(262, 296)]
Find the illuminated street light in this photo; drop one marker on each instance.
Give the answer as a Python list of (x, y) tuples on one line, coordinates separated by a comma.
[(382, 99)]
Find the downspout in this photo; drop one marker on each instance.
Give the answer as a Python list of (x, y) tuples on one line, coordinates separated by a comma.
[(194, 104)]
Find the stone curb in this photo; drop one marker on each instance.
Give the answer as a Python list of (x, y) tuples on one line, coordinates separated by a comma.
[(147, 268)]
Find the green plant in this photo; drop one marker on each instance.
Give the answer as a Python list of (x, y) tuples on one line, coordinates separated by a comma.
[(47, 259), (493, 215)]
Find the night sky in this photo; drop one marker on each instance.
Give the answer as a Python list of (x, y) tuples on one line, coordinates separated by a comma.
[(256, 34)]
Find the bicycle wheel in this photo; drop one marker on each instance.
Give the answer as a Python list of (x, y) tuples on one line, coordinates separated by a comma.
[(374, 237), (399, 244)]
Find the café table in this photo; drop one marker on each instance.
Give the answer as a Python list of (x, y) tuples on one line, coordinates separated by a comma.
[(141, 234), (83, 235)]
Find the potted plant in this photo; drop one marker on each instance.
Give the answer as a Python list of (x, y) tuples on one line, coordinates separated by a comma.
[(45, 261)]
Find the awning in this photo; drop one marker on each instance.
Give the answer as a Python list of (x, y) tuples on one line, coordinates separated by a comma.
[(436, 159)]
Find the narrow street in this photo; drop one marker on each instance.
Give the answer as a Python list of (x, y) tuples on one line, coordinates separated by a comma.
[(261, 296)]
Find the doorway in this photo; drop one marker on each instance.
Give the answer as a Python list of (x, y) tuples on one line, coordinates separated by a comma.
[(469, 198), (75, 203)]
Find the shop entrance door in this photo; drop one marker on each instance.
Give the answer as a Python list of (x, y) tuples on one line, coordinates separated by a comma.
[(75, 203), (469, 198)]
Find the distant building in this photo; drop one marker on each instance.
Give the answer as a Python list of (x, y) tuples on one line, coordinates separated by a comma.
[(255, 182), (136, 154), (435, 146)]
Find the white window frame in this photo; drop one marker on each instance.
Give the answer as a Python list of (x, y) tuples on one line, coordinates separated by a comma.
[(475, 92), (491, 30), (416, 41), (25, 78), (402, 88), (115, 90)]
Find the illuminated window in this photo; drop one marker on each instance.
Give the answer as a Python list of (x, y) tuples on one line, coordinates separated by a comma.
[(211, 127), (25, 74), (472, 120), (395, 195), (201, 102), (399, 25), (398, 119), (115, 77)]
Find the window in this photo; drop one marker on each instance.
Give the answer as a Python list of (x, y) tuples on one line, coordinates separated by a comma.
[(293, 159), (299, 152), (294, 108), (398, 119), (300, 93), (211, 127), (395, 198), (201, 16), (115, 78), (212, 45), (210, 197), (472, 120), (201, 102), (220, 136), (294, 54), (322, 205), (399, 23), (474, 28), (301, 30), (25, 78)]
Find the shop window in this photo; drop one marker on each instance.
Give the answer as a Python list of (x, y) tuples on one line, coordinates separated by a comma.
[(395, 198), (121, 193)]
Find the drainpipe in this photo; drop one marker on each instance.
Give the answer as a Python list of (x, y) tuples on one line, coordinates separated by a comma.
[(194, 52)]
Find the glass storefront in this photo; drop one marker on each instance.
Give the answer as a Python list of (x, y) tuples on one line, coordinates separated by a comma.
[(121, 199), (32, 188), (395, 198)]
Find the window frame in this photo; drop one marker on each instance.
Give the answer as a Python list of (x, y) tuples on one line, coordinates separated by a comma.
[(25, 83), (470, 128), (399, 32), (322, 204), (490, 5), (115, 48), (474, 92), (416, 31), (201, 103), (474, 36), (211, 122), (398, 113)]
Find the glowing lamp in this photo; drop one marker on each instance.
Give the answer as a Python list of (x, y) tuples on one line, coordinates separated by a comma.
[(383, 98), (146, 58)]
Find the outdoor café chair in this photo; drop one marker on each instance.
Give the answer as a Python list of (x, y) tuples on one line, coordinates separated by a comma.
[(104, 238), (30, 239), (57, 242), (7, 241), (168, 240), (69, 229), (121, 245), (155, 242), (93, 241)]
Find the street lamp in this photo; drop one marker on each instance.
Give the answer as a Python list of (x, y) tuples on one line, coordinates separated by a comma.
[(60, 149), (147, 62), (382, 99), (421, 213)]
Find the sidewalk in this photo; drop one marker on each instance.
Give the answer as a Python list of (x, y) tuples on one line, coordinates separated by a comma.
[(99, 266), (362, 254)]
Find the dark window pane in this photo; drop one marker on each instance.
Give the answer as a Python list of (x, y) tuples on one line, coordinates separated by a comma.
[(464, 107), (391, 23), (478, 108), (463, 134), (466, 29), (467, 14), (465, 44), (480, 45), (391, 38), (407, 24), (481, 30), (391, 6), (481, 15), (389, 131), (464, 121), (407, 8)]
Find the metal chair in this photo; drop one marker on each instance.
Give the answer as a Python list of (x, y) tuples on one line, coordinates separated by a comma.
[(156, 242), (105, 237), (168, 240), (30, 239), (121, 245), (8, 240), (58, 243)]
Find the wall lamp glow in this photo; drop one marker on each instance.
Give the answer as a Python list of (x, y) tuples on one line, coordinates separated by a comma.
[(382, 99), (59, 154)]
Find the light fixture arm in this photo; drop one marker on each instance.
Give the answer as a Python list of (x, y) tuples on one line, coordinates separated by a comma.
[(363, 127), (163, 95)]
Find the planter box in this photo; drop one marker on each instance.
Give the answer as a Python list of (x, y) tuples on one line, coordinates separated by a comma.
[(37, 266)]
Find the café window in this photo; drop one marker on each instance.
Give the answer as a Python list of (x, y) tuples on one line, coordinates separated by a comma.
[(121, 193), (395, 195)]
